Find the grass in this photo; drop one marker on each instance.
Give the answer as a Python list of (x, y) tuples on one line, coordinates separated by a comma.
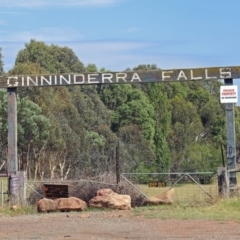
[(185, 193), (227, 209), (26, 210)]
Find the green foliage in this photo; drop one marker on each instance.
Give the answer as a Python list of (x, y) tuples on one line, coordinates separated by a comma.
[(53, 59), (91, 67), (129, 106), (1, 63), (201, 157), (33, 127), (73, 131)]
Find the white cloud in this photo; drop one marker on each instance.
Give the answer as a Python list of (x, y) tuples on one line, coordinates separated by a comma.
[(44, 34), (57, 3)]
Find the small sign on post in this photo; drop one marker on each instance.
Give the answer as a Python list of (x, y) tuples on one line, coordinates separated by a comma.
[(156, 184), (229, 94), (54, 191)]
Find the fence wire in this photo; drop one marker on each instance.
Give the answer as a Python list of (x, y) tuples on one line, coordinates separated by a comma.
[(188, 187)]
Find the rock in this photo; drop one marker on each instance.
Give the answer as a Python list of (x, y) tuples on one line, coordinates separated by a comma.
[(70, 204), (46, 205), (106, 198), (162, 198), (85, 215), (15, 207), (104, 192)]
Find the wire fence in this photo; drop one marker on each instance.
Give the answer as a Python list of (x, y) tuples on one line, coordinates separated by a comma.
[(198, 187), (3, 191)]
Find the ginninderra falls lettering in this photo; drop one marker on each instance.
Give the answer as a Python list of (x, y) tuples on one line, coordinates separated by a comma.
[(119, 77)]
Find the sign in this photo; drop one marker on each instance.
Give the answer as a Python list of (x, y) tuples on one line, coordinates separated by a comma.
[(229, 94), (54, 191), (156, 184), (120, 77)]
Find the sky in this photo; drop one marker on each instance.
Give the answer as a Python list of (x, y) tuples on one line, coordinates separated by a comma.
[(121, 34)]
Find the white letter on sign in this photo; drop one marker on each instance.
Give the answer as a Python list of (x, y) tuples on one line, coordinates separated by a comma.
[(166, 76), (92, 77), (206, 75), (107, 76), (121, 76), (225, 73), (15, 83), (194, 78), (136, 77), (79, 79), (182, 75)]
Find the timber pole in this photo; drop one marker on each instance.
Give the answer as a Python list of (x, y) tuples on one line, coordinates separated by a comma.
[(231, 142), (12, 146), (117, 163)]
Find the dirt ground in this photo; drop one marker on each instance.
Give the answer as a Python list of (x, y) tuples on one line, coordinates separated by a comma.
[(112, 225)]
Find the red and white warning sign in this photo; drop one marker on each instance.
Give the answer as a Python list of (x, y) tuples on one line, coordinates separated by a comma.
[(229, 94)]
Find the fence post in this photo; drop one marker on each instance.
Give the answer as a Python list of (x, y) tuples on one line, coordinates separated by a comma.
[(22, 187), (223, 182), (2, 196), (12, 146), (117, 163)]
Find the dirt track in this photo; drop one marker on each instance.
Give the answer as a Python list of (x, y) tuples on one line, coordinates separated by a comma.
[(112, 225)]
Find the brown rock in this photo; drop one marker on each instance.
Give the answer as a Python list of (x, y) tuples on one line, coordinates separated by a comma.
[(70, 204), (104, 192), (46, 205), (110, 199), (84, 216), (162, 198), (15, 207)]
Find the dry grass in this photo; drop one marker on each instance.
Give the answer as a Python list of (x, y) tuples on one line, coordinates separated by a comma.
[(224, 210), (185, 193)]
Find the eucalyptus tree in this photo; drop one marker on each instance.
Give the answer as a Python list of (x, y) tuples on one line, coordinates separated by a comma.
[(52, 58), (1, 62)]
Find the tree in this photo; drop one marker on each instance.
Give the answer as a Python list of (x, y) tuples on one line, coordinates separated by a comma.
[(53, 59), (33, 131), (159, 100), (1, 62), (161, 106)]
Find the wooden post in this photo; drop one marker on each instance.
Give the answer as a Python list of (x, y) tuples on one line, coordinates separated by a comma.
[(12, 146), (2, 192), (22, 187), (117, 164), (223, 182), (231, 145)]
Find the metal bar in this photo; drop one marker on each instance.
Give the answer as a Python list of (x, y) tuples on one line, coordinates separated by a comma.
[(54, 182), (177, 181), (233, 170), (2, 165), (134, 186), (199, 185), (4, 175), (175, 173), (2, 193), (35, 191)]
